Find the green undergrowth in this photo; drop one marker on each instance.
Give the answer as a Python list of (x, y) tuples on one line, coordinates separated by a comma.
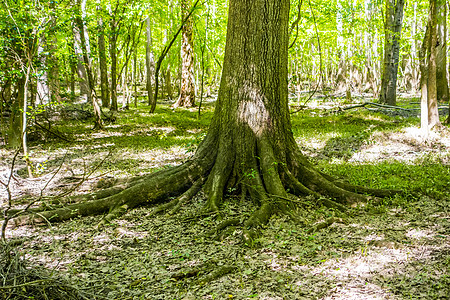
[(396, 249), (426, 175)]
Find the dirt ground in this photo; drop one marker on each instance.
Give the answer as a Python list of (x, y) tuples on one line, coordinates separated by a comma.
[(371, 252)]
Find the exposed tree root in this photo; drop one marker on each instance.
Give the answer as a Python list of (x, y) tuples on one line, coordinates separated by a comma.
[(277, 183), (273, 186), (175, 204), (216, 274), (222, 226), (198, 271)]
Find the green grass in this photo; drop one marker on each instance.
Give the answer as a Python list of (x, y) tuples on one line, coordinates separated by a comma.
[(136, 133)]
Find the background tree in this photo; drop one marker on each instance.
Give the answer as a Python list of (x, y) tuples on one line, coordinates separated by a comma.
[(429, 104), (441, 52), (104, 82), (187, 88), (393, 28), (149, 63), (79, 20)]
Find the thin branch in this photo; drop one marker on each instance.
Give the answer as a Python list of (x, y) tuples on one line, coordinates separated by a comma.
[(295, 24)]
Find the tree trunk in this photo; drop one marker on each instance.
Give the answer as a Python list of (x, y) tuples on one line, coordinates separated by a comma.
[(423, 60), (52, 59), (102, 58), (249, 148), (393, 28), (150, 65), (415, 82), (441, 52), (113, 54), (433, 113), (134, 78), (42, 88), (187, 88), (168, 82), (98, 124), (15, 120), (341, 78), (78, 45)]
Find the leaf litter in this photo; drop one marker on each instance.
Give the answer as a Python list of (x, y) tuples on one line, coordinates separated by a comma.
[(398, 251)]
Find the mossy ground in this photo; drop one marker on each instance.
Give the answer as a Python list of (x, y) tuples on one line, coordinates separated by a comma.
[(396, 250)]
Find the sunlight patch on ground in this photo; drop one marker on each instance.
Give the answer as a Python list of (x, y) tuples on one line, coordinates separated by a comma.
[(415, 233), (404, 146), (354, 271)]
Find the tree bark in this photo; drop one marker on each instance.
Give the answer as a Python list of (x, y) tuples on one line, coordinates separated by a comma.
[(393, 28), (441, 52), (187, 88), (42, 88), (113, 54), (150, 65), (433, 113), (341, 78), (52, 59), (98, 124), (15, 120), (78, 48), (102, 58)]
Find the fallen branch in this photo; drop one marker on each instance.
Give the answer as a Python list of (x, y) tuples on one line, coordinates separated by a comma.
[(374, 104)]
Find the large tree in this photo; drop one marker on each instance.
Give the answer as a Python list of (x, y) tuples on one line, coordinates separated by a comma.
[(250, 148)]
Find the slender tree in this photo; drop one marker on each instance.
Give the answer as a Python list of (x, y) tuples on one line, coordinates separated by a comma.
[(114, 25), (79, 19), (441, 52), (80, 7), (149, 63), (433, 113), (102, 57), (393, 28), (187, 89)]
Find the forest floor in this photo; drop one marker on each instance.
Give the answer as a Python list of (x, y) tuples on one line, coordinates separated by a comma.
[(397, 250)]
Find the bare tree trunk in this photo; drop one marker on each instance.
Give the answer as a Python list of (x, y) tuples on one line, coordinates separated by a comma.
[(42, 88), (134, 78), (187, 87), (150, 65), (441, 52), (52, 59), (415, 67), (98, 124), (393, 28), (15, 120), (168, 82), (125, 89), (341, 78), (433, 113), (78, 45), (102, 58), (73, 70), (113, 54), (423, 84)]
